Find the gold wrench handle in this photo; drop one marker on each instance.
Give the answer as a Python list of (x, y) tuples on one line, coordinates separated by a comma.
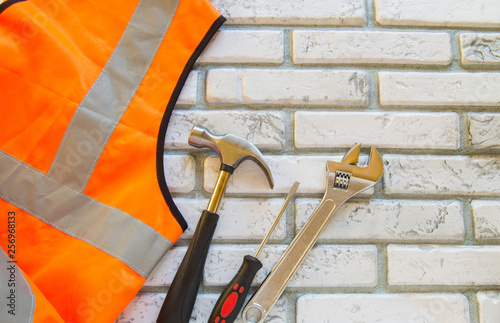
[(273, 286)]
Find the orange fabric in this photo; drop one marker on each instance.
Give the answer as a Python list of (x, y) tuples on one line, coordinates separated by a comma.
[(83, 283), (52, 52), (139, 125), (44, 311), (43, 96)]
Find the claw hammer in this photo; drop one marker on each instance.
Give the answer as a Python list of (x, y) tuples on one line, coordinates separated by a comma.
[(232, 151)]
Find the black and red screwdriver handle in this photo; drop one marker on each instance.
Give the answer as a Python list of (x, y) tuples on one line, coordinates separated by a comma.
[(231, 300), (181, 295)]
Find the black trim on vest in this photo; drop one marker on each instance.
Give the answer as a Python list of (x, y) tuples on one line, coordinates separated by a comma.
[(8, 3), (166, 118)]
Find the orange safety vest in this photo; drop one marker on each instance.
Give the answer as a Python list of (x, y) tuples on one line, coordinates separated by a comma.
[(86, 92)]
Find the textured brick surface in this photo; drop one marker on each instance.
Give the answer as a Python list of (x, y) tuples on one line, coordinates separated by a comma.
[(480, 49), (309, 12), (390, 220), (489, 306), (242, 46), (444, 308), (439, 89), (484, 130), (477, 13), (486, 220), (442, 175), (361, 47), (440, 265), (381, 129), (304, 87)]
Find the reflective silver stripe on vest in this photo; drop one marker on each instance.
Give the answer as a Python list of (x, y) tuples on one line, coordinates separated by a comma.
[(107, 228), (17, 301), (103, 106)]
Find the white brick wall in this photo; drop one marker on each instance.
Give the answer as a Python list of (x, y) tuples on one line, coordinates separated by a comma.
[(304, 80)]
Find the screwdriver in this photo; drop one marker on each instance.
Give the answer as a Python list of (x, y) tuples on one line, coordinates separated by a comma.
[(232, 298)]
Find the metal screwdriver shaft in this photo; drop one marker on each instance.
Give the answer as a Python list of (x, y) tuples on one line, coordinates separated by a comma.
[(294, 188)]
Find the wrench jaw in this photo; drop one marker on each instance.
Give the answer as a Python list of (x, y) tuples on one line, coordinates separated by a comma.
[(352, 156), (346, 179)]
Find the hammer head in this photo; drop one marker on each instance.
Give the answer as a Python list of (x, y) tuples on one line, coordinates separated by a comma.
[(232, 150)]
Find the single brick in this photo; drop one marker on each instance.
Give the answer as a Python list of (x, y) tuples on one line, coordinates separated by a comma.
[(244, 46), (282, 12), (390, 220), (371, 47), (479, 49), (240, 219), (439, 89), (382, 129), (264, 129), (486, 220), (442, 175), (489, 306), (440, 265), (287, 86), (309, 171), (179, 173), (454, 13), (484, 130), (324, 266), (372, 308)]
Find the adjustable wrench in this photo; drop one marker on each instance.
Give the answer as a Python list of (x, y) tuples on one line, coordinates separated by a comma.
[(344, 180)]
